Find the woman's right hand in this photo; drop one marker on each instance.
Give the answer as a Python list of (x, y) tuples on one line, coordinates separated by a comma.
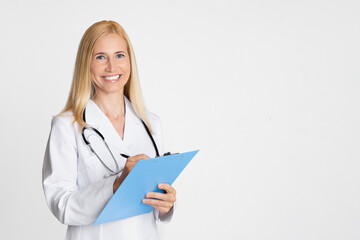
[(129, 165)]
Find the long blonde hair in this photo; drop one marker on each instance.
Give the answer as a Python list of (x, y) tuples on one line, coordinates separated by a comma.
[(82, 88)]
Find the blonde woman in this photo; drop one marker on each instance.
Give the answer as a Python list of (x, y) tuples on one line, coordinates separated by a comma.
[(81, 171)]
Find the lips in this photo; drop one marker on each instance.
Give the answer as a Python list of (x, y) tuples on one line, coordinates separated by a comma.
[(112, 78)]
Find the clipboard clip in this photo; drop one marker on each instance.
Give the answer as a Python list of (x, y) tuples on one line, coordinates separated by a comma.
[(168, 153)]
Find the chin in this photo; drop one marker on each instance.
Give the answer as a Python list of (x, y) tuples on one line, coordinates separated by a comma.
[(110, 88), (113, 90)]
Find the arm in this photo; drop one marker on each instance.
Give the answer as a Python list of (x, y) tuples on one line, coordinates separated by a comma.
[(69, 204)]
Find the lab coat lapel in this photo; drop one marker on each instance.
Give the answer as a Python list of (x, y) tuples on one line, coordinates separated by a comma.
[(97, 119), (94, 116), (133, 128)]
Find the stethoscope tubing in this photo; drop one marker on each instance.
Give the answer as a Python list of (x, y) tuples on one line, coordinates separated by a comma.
[(107, 146)]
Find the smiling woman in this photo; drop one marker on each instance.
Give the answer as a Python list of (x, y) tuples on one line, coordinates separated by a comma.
[(97, 46), (110, 64), (82, 169), (110, 71)]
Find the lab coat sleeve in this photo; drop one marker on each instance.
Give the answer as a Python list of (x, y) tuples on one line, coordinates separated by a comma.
[(167, 217), (69, 204), (159, 138)]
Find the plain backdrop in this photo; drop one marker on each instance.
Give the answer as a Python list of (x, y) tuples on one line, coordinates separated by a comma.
[(267, 90)]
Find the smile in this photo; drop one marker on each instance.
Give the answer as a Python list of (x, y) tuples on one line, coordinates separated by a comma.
[(112, 79)]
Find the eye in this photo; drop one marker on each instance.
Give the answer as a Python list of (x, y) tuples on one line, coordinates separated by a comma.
[(120, 55), (100, 57)]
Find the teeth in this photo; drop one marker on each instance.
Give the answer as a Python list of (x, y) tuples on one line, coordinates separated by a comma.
[(113, 77)]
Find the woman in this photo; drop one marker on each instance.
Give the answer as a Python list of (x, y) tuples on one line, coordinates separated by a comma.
[(78, 181)]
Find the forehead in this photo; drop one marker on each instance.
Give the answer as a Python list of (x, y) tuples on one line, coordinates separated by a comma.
[(110, 43)]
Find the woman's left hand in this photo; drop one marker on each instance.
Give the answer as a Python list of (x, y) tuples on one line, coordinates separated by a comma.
[(164, 201)]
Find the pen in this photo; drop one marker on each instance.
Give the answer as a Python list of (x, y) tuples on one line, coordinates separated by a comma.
[(165, 154), (124, 155)]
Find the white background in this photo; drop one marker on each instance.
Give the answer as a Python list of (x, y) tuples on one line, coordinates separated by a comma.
[(267, 90)]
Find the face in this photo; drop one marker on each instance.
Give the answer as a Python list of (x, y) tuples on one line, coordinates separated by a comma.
[(110, 65)]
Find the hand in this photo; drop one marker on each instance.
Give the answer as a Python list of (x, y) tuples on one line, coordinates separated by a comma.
[(164, 201), (129, 165)]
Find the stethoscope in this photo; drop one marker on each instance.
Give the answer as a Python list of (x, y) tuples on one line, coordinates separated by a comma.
[(103, 139)]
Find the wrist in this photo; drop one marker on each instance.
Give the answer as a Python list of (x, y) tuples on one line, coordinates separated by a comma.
[(161, 214), (116, 184)]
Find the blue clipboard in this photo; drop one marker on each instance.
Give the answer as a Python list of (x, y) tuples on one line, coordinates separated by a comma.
[(143, 178)]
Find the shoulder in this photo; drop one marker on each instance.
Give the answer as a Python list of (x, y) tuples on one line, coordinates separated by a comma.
[(63, 121), (63, 131)]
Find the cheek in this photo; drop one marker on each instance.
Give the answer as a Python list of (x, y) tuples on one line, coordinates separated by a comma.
[(93, 69), (125, 65), (94, 73)]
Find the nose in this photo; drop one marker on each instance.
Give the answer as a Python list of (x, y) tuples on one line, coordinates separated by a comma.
[(109, 65)]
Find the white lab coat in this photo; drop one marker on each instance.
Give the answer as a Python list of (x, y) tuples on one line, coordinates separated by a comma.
[(76, 184)]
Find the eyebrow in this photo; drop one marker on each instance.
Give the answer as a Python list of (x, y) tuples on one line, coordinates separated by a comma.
[(104, 53)]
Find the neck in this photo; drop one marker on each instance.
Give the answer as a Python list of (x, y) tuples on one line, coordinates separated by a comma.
[(112, 105)]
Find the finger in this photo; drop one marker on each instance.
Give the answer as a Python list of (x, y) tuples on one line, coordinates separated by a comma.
[(157, 203), (137, 158), (167, 187), (161, 196), (143, 156)]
